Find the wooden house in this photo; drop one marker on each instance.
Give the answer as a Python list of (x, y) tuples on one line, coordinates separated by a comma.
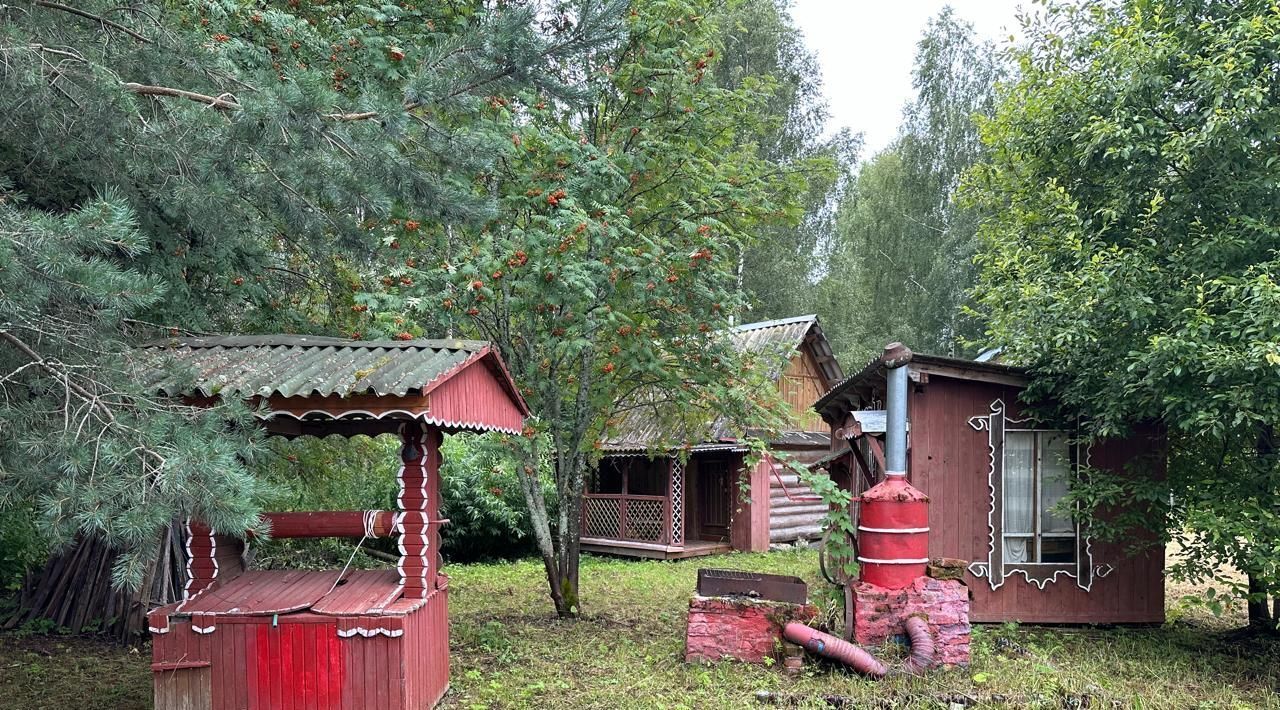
[(993, 477), (640, 504)]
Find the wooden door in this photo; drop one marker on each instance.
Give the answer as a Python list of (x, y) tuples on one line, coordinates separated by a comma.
[(715, 481)]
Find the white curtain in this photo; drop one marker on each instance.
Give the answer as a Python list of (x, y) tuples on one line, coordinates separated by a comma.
[(1019, 495), (1055, 472)]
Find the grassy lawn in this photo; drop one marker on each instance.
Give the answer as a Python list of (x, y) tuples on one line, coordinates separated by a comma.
[(509, 652)]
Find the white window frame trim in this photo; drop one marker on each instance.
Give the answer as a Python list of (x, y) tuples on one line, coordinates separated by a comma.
[(994, 568)]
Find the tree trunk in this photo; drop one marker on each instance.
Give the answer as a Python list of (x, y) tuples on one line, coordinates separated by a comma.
[(1259, 610), (558, 548)]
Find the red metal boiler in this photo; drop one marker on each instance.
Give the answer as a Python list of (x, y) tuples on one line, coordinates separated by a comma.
[(893, 534), (893, 527)]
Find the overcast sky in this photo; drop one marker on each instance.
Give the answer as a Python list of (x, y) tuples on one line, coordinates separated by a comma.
[(866, 49)]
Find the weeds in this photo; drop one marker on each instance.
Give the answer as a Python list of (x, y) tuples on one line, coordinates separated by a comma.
[(510, 651)]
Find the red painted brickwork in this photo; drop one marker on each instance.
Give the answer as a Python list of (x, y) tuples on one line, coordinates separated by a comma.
[(739, 628), (944, 603)]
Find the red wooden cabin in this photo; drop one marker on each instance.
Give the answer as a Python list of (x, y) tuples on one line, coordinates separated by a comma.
[(993, 477), (324, 639), (641, 503)]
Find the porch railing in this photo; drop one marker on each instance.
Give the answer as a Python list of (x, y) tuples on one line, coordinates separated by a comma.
[(627, 517)]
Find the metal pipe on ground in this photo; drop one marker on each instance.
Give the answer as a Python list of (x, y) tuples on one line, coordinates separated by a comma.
[(922, 648)]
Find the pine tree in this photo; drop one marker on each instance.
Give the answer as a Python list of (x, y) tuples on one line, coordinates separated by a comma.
[(218, 165)]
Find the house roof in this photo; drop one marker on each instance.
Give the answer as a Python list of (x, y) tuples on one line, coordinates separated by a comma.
[(792, 332), (318, 375), (639, 430), (840, 398)]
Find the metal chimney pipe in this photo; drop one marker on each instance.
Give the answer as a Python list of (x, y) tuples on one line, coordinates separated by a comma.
[(895, 358)]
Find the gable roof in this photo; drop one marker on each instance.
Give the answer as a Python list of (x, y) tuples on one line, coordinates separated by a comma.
[(838, 399), (298, 371), (790, 333), (639, 431)]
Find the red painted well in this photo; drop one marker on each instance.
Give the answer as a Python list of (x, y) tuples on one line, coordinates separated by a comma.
[(360, 646)]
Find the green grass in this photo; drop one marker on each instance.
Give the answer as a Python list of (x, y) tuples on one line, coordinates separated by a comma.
[(626, 652)]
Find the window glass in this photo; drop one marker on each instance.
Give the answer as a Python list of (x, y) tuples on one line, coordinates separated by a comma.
[(1037, 471), (1019, 495), (1055, 468)]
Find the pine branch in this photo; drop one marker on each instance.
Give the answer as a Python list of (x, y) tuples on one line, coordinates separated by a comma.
[(96, 18), (214, 101), (43, 364)]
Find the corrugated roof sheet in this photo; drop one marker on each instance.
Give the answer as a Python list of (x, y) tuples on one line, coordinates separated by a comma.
[(297, 365), (842, 392), (640, 430)]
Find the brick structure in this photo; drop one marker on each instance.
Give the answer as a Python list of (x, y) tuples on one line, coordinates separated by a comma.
[(740, 628), (943, 603)]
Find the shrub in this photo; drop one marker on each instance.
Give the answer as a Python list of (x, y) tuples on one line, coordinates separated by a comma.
[(480, 496), (482, 499)]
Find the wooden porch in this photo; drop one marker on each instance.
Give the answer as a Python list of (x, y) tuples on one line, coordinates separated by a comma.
[(625, 548)]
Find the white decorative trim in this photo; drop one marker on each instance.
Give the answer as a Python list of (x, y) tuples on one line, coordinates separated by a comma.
[(213, 555), (892, 531), (994, 568), (158, 629), (362, 414), (640, 451), (202, 629), (417, 438), (369, 633), (874, 561)]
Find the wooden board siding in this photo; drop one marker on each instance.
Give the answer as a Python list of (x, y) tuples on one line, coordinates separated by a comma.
[(750, 531), (184, 689), (476, 398), (299, 661), (801, 385), (950, 462)]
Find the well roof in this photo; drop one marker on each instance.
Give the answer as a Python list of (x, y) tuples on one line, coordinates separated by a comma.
[(340, 377), (298, 365)]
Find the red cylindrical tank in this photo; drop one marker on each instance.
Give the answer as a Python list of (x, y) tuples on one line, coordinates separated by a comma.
[(893, 534)]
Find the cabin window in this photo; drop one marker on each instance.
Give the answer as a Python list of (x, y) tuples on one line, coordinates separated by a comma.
[(1037, 471), (1030, 474)]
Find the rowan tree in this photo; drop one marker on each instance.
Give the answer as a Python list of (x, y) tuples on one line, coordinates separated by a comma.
[(608, 277)]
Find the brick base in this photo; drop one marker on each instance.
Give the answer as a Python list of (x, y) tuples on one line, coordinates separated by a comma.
[(944, 603), (738, 627)]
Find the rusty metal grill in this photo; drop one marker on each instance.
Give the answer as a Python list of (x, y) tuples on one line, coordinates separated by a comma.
[(736, 583)]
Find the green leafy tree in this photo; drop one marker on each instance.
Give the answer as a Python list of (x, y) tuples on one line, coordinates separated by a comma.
[(778, 270), (902, 259), (609, 276), (1129, 257)]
